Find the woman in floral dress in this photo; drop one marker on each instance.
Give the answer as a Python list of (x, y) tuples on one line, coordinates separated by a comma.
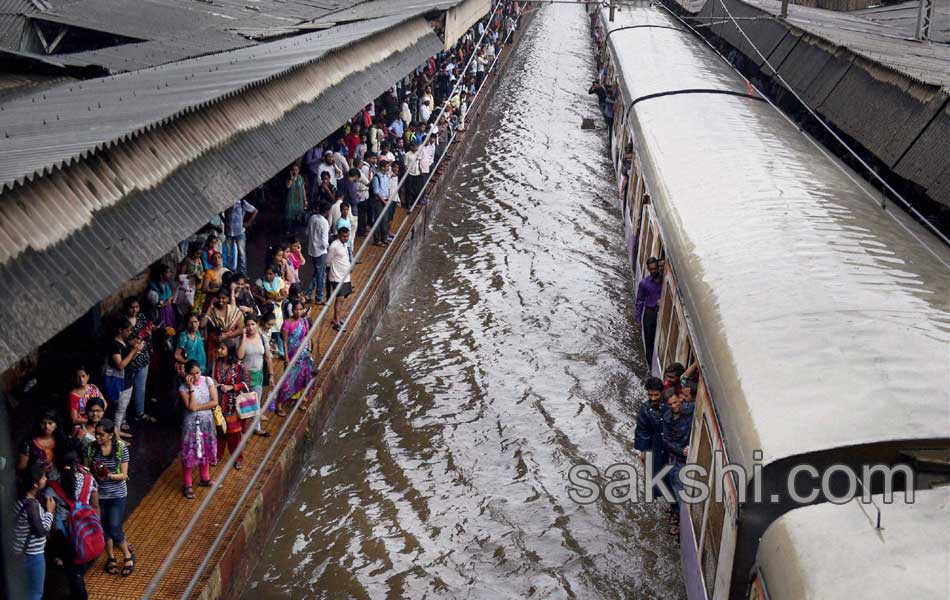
[(294, 332), (199, 445)]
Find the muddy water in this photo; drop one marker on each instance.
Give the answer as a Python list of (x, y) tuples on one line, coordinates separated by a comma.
[(509, 357)]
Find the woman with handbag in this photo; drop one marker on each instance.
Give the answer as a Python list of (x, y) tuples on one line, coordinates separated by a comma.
[(233, 382), (255, 352), (199, 445)]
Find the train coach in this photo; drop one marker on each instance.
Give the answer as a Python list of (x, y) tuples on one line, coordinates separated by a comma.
[(820, 321)]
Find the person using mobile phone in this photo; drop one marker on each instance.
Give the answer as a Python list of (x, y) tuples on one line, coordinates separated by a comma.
[(31, 526)]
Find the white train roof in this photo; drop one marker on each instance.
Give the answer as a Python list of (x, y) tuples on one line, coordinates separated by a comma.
[(824, 321), (836, 551)]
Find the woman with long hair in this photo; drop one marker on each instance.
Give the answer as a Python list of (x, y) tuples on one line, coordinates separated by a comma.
[(122, 350), (255, 352), (77, 485), (43, 444), (199, 447), (213, 279), (232, 379), (294, 333), (31, 525), (108, 460)]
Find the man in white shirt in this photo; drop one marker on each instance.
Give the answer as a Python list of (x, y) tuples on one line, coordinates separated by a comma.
[(318, 238), (393, 196), (342, 166), (413, 175), (338, 259)]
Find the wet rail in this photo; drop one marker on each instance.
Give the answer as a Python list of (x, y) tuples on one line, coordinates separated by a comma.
[(508, 356)]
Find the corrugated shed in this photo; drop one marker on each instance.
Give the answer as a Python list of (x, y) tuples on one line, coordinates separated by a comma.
[(927, 162), (13, 23), (814, 68), (132, 216), (766, 35), (384, 8), (47, 131), (894, 110)]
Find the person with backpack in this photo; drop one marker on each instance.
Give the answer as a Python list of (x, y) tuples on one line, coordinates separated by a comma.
[(83, 528), (31, 526), (108, 461)]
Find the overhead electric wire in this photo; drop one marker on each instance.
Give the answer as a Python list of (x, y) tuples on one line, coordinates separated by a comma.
[(206, 501), (927, 224)]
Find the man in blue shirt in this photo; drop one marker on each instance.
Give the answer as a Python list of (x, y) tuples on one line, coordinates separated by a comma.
[(648, 304), (379, 192), (236, 235)]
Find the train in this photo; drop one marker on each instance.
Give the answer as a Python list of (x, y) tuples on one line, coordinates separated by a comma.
[(819, 318)]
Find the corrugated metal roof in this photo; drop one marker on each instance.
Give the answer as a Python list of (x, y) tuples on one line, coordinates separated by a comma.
[(13, 23), (384, 8), (133, 219), (53, 128), (926, 63)]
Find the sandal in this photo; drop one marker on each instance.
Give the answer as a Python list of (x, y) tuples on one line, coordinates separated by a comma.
[(238, 465), (261, 433), (206, 483), (128, 569), (111, 565), (188, 492), (281, 412)]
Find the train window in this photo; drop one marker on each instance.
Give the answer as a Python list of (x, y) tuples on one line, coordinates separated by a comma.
[(711, 539), (666, 315), (685, 355), (673, 337), (703, 458)]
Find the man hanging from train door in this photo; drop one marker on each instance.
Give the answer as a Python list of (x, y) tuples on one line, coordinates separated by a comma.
[(648, 305)]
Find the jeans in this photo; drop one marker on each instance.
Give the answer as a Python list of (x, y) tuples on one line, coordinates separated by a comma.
[(236, 246), (138, 392), (34, 575), (319, 275), (112, 511), (118, 396), (259, 390)]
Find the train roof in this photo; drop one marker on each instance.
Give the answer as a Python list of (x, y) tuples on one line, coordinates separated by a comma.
[(836, 550), (823, 320)]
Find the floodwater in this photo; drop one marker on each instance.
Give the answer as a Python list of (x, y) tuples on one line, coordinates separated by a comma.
[(508, 357)]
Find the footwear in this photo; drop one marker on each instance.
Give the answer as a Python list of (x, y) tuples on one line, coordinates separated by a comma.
[(261, 433), (206, 483), (265, 418), (239, 465), (188, 492), (125, 426), (281, 412), (128, 566), (111, 566), (146, 418)]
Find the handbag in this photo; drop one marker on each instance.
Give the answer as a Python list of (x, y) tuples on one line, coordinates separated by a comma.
[(219, 418), (247, 405)]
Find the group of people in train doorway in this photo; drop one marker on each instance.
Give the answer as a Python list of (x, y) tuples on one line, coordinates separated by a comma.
[(664, 421)]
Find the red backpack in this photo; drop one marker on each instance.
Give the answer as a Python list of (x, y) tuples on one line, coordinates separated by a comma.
[(84, 525)]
